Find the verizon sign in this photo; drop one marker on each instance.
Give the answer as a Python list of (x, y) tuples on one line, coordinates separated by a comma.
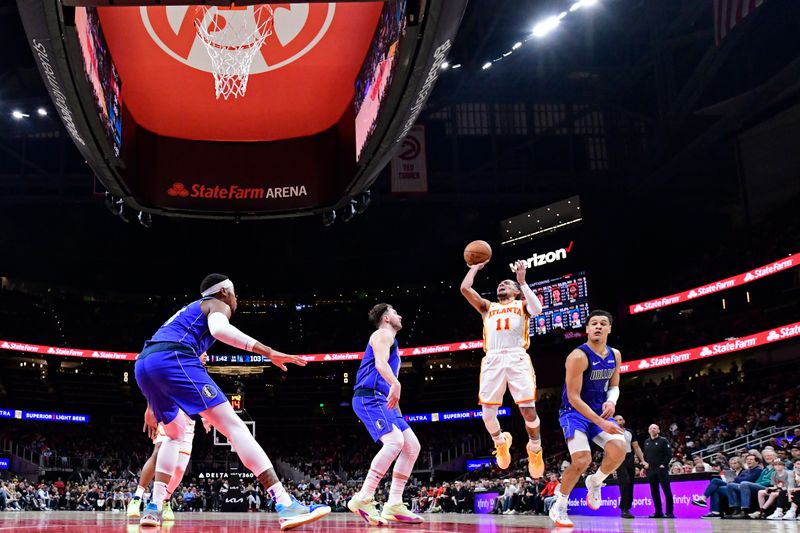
[(546, 258), (717, 286)]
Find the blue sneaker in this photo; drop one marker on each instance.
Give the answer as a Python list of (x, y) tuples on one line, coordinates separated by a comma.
[(297, 514), (151, 516)]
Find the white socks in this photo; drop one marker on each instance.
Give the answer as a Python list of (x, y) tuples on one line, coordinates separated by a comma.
[(403, 466), (392, 446), (598, 478), (139, 492), (561, 499), (279, 494), (159, 490)]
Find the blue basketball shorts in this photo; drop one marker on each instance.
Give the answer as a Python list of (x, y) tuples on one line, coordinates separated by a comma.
[(572, 421), (171, 380), (376, 417)]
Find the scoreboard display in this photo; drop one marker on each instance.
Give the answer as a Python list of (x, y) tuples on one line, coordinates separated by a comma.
[(565, 304)]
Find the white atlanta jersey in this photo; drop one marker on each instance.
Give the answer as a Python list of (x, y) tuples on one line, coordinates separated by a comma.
[(506, 326)]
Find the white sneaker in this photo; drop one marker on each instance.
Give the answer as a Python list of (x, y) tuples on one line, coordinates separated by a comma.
[(755, 515), (790, 515), (558, 515), (777, 515), (593, 498)]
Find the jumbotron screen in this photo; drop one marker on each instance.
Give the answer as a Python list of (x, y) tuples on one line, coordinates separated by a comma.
[(101, 73), (378, 70), (565, 304)]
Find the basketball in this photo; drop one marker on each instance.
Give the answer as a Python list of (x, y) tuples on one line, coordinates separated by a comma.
[(477, 252)]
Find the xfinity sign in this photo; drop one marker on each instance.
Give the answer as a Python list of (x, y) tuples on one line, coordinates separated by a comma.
[(546, 258)]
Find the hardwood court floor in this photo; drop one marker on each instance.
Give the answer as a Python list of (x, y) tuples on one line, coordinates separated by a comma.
[(89, 522)]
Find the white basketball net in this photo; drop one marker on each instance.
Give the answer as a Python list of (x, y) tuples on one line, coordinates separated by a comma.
[(232, 37)]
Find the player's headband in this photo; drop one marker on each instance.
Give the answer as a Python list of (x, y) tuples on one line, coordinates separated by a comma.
[(214, 289)]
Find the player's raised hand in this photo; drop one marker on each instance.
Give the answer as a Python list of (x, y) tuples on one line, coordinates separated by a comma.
[(608, 409), (478, 266), (610, 427), (204, 358), (394, 395), (519, 269), (280, 359)]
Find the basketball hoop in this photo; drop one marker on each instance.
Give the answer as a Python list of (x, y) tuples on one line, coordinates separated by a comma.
[(232, 37)]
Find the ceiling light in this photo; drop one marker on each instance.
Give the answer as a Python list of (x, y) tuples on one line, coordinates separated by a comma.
[(546, 26)]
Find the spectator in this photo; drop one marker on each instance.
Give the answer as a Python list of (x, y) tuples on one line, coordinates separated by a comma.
[(700, 464), (741, 493), (550, 500), (719, 487), (508, 495), (780, 481)]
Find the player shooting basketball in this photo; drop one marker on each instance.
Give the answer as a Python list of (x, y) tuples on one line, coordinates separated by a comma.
[(506, 337)]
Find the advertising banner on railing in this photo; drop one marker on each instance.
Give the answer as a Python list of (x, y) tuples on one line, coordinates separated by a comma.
[(716, 286), (453, 415), (47, 417), (712, 350), (4, 463), (701, 352), (682, 494)]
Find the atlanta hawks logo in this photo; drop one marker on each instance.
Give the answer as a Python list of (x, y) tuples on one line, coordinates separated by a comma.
[(297, 29)]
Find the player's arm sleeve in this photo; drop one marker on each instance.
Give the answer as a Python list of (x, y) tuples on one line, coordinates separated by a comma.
[(222, 330), (531, 301)]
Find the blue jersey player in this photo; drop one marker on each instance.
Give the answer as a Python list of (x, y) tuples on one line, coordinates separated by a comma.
[(375, 398), (172, 378), (591, 391)]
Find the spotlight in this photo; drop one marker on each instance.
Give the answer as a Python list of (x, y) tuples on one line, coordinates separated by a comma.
[(583, 3), (546, 26), (328, 218), (362, 201), (348, 211), (19, 115), (486, 65), (445, 65), (42, 112), (146, 220)]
